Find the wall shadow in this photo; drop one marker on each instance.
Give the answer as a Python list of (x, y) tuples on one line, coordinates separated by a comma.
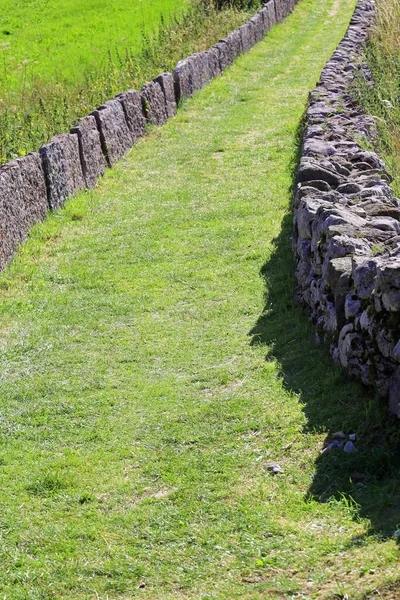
[(370, 478)]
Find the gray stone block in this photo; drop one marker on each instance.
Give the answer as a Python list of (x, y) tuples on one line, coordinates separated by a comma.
[(23, 202), (214, 67), (133, 109), (271, 12), (153, 101), (92, 158), (199, 70), (280, 10), (268, 16), (116, 139), (63, 170), (224, 57), (234, 40), (247, 36), (258, 27), (166, 82), (183, 80)]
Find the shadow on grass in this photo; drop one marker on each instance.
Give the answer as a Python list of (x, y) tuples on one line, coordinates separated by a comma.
[(369, 479)]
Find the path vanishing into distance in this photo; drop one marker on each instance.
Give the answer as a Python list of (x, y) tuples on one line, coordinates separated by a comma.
[(154, 363)]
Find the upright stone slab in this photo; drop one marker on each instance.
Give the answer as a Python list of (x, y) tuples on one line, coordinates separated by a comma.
[(258, 28), (214, 68), (131, 103), (280, 10), (269, 15), (199, 70), (153, 101), (23, 202), (62, 166), (247, 36), (116, 139), (234, 40), (92, 158), (224, 57), (166, 82), (183, 80)]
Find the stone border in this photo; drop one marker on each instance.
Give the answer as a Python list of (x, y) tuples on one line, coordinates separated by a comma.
[(35, 183), (347, 225)]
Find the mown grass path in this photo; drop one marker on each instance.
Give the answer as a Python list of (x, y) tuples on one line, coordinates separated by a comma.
[(138, 409)]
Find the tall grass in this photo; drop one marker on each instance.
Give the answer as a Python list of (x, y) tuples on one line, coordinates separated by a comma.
[(41, 108), (381, 96)]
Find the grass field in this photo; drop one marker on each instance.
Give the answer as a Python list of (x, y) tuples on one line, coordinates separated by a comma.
[(59, 39), (154, 362), (382, 100), (59, 62)]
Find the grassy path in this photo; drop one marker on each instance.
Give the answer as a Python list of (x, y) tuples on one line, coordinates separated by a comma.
[(138, 409)]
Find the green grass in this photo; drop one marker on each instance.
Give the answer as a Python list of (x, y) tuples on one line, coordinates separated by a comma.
[(58, 40), (149, 374), (382, 100), (84, 66)]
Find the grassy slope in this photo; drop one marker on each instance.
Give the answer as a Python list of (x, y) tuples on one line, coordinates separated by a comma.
[(146, 383), (59, 39)]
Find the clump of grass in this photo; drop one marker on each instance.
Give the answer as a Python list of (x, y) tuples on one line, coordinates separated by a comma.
[(381, 96), (47, 485), (40, 107)]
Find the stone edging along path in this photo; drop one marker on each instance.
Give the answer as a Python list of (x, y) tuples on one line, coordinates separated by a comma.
[(346, 226), (37, 182)]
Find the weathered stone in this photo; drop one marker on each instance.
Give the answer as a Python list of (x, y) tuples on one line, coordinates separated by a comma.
[(153, 101), (23, 202), (310, 172), (200, 70), (247, 36), (62, 167), (116, 139), (336, 269), (269, 15), (234, 41), (183, 80), (258, 29), (352, 307), (214, 68), (364, 275), (92, 158), (133, 109), (166, 81), (224, 57), (280, 10)]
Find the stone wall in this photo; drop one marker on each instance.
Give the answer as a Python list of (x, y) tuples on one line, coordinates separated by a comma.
[(38, 182), (347, 225)]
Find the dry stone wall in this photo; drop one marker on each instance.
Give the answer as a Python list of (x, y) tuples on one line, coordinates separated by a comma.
[(347, 225), (35, 183)]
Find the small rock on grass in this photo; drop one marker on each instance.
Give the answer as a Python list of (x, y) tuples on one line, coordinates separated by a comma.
[(349, 447), (274, 468)]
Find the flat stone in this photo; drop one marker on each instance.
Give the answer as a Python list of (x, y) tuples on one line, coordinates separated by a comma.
[(116, 139), (311, 172), (23, 202), (153, 101), (91, 154), (349, 188), (166, 81), (62, 167), (133, 109)]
